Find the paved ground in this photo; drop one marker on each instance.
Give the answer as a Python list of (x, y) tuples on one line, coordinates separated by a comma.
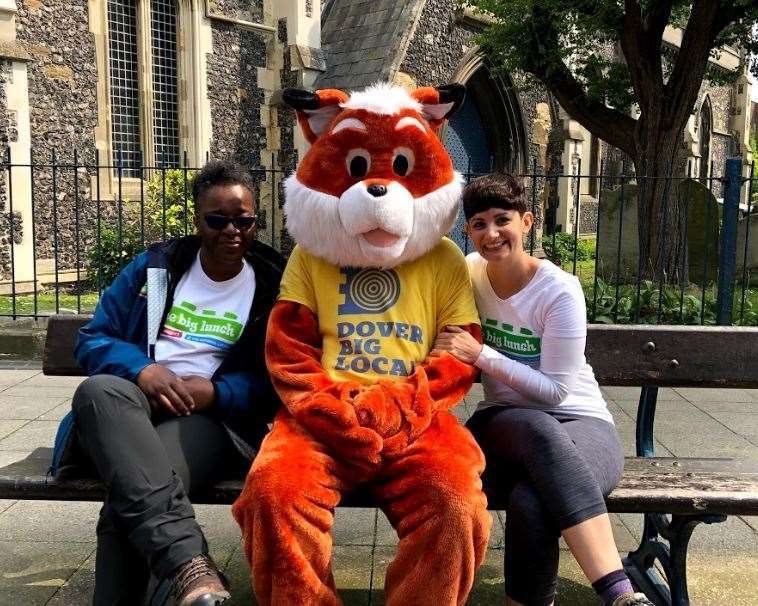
[(47, 548)]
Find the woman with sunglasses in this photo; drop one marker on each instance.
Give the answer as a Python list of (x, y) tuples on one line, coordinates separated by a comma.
[(178, 394)]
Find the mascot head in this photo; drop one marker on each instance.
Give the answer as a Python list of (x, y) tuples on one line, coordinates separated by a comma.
[(376, 188)]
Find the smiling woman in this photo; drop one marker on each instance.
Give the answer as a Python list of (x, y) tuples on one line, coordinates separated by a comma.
[(551, 447)]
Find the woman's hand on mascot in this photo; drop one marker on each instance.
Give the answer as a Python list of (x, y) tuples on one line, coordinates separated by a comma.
[(459, 343), (165, 391)]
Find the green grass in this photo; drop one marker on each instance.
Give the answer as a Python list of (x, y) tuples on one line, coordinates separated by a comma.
[(46, 303)]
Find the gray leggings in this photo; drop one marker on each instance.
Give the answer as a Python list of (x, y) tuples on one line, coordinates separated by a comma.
[(553, 473)]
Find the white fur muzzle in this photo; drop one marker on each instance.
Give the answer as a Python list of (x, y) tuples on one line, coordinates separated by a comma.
[(330, 227)]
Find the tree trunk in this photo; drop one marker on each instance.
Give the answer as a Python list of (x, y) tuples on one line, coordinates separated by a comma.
[(663, 251)]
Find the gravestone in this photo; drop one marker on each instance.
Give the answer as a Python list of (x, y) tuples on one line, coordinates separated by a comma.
[(703, 214), (617, 222), (703, 219)]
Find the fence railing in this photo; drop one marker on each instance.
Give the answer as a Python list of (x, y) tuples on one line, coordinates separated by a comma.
[(68, 225)]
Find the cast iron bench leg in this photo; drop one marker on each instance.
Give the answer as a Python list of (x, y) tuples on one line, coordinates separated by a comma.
[(677, 529), (640, 564)]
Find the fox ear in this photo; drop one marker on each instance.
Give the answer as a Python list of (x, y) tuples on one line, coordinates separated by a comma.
[(315, 110), (439, 103)]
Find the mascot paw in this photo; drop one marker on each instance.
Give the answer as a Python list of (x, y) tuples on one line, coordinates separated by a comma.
[(376, 408)]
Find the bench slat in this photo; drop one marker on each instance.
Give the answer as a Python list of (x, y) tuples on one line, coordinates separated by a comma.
[(706, 356), (684, 486)]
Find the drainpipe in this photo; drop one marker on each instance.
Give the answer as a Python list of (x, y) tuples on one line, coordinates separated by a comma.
[(259, 27)]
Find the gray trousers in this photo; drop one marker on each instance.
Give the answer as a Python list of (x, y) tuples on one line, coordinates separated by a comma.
[(553, 473), (147, 525)]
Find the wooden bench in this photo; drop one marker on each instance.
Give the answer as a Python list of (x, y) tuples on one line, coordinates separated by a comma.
[(674, 494)]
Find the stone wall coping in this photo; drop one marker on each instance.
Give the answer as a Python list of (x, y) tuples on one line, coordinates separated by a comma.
[(14, 50)]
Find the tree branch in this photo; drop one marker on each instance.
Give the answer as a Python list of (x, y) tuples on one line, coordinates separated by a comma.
[(547, 65), (692, 60), (657, 17)]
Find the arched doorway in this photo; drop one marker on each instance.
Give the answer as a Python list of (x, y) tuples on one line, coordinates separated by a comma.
[(486, 134)]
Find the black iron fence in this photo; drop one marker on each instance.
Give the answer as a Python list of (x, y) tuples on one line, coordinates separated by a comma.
[(68, 225)]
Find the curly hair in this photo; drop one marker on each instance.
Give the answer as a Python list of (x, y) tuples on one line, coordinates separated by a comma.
[(496, 190), (220, 172)]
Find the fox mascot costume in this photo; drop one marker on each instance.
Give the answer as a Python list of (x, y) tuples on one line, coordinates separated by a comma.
[(366, 290)]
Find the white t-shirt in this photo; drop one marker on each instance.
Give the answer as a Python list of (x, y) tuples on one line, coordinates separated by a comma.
[(534, 344), (205, 320)]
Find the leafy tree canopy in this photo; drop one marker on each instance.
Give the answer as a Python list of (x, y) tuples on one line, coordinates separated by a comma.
[(569, 45)]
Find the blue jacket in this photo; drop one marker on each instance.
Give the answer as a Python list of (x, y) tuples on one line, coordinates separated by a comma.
[(120, 339)]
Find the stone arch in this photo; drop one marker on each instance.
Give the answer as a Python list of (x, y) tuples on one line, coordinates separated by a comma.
[(493, 99)]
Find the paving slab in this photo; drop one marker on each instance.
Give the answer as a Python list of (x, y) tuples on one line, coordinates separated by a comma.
[(11, 456), (352, 576), (31, 435), (8, 426), (675, 406), (751, 521), (79, 589), (35, 391), (731, 581), (665, 394), (354, 526), (57, 413), (33, 572), (40, 380), (220, 530), (716, 395), (741, 423), (26, 407), (9, 378), (696, 434), (50, 521)]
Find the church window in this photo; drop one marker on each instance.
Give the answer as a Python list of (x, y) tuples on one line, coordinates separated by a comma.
[(143, 83)]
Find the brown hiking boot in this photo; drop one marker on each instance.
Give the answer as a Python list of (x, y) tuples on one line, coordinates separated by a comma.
[(198, 583)]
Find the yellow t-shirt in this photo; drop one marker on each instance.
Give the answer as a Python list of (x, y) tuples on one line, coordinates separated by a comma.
[(378, 323)]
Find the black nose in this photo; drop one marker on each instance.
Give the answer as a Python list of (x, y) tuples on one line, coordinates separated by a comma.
[(377, 190)]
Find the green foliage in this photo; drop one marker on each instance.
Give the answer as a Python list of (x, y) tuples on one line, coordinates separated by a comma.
[(179, 206), (551, 39), (113, 254), (563, 250), (165, 217), (671, 306)]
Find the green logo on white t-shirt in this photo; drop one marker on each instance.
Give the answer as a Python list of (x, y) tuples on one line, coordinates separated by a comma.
[(185, 322), (522, 345)]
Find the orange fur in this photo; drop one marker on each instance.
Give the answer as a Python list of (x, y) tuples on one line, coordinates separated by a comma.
[(323, 168), (394, 439), (431, 494)]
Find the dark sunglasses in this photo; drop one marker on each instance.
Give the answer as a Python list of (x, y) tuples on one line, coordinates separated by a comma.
[(219, 222)]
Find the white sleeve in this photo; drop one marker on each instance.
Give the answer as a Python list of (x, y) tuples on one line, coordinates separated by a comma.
[(561, 358)]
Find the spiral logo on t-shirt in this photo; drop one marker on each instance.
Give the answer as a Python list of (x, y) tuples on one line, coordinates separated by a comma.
[(369, 291)]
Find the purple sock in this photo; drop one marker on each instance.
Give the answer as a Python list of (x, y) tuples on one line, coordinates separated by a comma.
[(611, 586)]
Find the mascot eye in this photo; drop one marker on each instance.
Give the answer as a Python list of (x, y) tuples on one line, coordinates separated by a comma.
[(402, 163), (358, 163)]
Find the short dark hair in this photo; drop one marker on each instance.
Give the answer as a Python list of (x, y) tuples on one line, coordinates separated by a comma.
[(220, 172), (496, 190)]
